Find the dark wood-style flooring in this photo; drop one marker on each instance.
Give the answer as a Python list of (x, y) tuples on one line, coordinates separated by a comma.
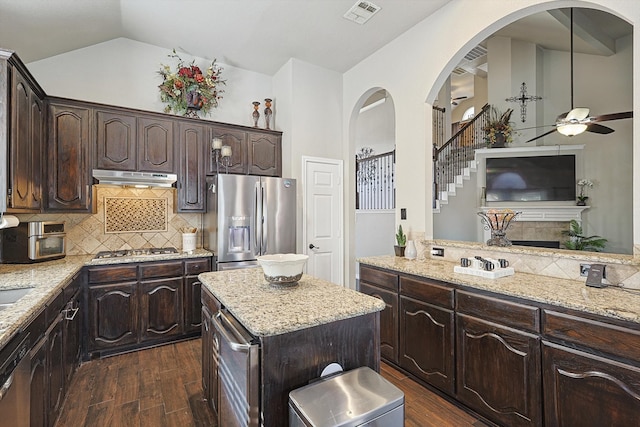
[(162, 387)]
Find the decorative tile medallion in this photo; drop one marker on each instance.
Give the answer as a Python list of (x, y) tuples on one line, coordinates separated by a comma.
[(132, 215)]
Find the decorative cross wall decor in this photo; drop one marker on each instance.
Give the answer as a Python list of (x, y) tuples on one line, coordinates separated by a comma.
[(523, 99)]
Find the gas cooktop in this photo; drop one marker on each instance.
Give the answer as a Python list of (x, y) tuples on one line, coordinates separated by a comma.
[(135, 252)]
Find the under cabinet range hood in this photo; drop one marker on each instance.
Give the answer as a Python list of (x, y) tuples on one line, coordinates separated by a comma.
[(135, 179)]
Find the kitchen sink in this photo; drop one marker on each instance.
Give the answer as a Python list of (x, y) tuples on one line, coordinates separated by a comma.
[(8, 297)]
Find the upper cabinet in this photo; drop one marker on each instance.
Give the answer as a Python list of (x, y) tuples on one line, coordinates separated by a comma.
[(265, 154), (191, 177), (69, 151), (128, 141), (237, 140), (26, 144)]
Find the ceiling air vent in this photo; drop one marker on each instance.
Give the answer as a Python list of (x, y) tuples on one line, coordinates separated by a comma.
[(459, 71), (475, 53), (361, 12)]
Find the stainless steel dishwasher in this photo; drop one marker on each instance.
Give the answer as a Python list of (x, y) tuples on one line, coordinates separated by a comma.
[(15, 392), (239, 373)]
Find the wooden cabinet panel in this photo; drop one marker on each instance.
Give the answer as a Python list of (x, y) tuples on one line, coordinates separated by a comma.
[(237, 140), (68, 158), (161, 308), (388, 320), (590, 391), (191, 185), (192, 304), (197, 266), (155, 145), (72, 336), (55, 368), (26, 144), (38, 407), (115, 141), (379, 278), (160, 269), (265, 155), (119, 273), (498, 310), (113, 315), (427, 342), (498, 372), (427, 291)]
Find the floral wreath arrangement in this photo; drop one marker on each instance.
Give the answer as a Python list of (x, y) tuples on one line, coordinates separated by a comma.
[(188, 90), (498, 123)]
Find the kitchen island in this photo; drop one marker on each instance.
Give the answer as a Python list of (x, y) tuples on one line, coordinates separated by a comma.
[(299, 331)]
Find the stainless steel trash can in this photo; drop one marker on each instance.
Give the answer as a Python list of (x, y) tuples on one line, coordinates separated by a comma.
[(356, 398)]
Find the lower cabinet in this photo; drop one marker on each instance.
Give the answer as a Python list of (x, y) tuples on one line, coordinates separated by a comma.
[(38, 407), (55, 368), (137, 305), (210, 349)]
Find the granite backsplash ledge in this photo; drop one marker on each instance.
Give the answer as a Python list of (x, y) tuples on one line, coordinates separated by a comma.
[(125, 218)]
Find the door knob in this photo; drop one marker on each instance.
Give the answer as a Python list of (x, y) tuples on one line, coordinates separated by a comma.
[(311, 246)]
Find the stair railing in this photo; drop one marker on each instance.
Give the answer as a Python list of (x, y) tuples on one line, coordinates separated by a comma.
[(375, 181), (450, 158)]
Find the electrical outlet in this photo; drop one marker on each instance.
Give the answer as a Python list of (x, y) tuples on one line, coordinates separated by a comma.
[(403, 213), (437, 251), (584, 269)]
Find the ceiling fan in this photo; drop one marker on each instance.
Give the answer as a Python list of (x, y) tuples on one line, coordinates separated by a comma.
[(577, 120), (458, 98)]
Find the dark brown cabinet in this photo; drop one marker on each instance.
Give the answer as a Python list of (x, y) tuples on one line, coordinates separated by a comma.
[(192, 289), (264, 154), (113, 315), (115, 141), (210, 351), (191, 178), (237, 140), (156, 148), (26, 144), (498, 366), (55, 368), (69, 151), (384, 286), (427, 332), (131, 306), (38, 407)]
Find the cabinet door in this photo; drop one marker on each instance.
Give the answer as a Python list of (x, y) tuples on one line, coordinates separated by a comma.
[(237, 140), (210, 349), (116, 141), (426, 342), (388, 321), (72, 331), (192, 304), (588, 391), (498, 372), (55, 368), (68, 159), (161, 308), (38, 406), (155, 145), (265, 155), (191, 185), (25, 146), (113, 316)]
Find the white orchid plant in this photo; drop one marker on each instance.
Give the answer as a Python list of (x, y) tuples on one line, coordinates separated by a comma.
[(582, 184)]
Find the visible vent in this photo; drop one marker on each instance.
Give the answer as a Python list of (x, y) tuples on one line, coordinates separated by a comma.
[(459, 71), (361, 12), (475, 53)]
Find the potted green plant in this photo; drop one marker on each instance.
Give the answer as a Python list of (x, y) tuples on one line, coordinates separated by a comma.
[(578, 242), (401, 240)]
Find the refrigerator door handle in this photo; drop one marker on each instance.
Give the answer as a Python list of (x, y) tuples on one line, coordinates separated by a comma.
[(264, 229), (258, 221)]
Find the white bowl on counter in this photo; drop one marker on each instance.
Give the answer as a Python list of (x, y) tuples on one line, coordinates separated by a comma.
[(282, 269)]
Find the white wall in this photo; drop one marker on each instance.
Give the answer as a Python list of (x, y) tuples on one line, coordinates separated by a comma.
[(123, 72)]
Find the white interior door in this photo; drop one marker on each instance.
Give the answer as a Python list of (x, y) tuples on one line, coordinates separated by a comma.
[(323, 223)]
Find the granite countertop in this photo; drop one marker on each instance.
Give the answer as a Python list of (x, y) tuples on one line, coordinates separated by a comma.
[(611, 302), (48, 278), (266, 310)]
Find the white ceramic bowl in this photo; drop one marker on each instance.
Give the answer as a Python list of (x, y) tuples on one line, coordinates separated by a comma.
[(282, 269)]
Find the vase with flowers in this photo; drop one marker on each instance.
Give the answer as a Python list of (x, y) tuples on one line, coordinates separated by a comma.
[(498, 130), (188, 90), (582, 197)]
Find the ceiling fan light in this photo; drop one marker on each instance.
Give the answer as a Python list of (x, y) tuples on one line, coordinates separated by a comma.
[(571, 129)]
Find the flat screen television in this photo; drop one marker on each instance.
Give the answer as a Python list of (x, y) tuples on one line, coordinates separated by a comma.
[(531, 179)]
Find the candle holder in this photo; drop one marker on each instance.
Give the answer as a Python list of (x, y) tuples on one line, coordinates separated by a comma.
[(497, 221), (221, 155)]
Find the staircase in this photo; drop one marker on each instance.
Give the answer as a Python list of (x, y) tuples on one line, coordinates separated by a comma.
[(454, 161)]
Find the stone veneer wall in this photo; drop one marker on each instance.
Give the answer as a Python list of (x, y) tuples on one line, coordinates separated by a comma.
[(538, 230), (86, 232), (622, 270)]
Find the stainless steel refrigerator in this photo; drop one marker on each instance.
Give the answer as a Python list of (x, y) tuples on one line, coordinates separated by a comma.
[(248, 216)]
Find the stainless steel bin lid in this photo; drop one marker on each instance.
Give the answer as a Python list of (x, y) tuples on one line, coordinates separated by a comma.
[(346, 400)]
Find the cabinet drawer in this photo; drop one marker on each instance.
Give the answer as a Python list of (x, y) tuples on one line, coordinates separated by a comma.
[(600, 336), (426, 291), (37, 327), (54, 306), (500, 311), (379, 278), (165, 269), (121, 273), (196, 266), (210, 302)]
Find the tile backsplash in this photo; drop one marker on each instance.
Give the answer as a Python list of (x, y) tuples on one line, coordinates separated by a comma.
[(134, 213)]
